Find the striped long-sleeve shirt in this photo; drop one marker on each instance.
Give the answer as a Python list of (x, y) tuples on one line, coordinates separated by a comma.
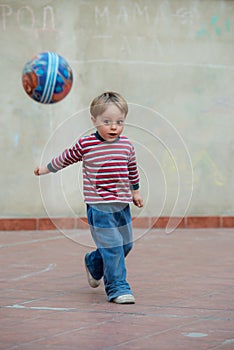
[(109, 168)]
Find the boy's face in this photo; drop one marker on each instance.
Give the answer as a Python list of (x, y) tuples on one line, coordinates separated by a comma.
[(110, 123)]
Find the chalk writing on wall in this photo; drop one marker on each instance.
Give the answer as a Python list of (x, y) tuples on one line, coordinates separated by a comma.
[(25, 18), (203, 158), (164, 13), (215, 26), (116, 23)]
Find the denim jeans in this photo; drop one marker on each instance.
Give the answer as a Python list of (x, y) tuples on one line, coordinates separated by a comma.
[(111, 229)]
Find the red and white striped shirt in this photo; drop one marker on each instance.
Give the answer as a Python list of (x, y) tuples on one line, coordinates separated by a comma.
[(109, 168)]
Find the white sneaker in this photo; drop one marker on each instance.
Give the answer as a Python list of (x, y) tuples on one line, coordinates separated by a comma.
[(92, 282), (124, 299)]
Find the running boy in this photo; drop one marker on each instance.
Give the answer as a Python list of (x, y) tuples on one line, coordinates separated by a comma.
[(110, 183)]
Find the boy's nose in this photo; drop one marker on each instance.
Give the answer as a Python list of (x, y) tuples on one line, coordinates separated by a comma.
[(113, 125)]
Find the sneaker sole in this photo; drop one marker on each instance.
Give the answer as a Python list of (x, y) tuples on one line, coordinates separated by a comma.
[(91, 281), (124, 300)]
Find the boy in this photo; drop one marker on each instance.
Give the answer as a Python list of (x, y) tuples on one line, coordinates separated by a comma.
[(110, 183)]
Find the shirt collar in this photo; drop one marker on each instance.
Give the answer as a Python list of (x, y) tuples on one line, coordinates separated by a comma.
[(102, 140)]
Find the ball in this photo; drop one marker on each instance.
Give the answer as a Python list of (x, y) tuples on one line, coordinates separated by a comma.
[(47, 78)]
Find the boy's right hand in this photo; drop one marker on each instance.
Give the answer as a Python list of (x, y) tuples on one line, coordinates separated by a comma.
[(41, 171)]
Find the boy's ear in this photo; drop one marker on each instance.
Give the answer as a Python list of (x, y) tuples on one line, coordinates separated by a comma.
[(93, 119)]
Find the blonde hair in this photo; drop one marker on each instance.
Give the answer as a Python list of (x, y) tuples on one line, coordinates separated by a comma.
[(100, 103)]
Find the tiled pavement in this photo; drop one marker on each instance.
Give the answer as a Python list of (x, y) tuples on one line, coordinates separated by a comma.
[(183, 284)]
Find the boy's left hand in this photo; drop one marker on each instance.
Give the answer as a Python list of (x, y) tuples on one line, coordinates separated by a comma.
[(137, 200)]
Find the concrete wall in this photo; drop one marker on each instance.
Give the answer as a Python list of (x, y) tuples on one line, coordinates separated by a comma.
[(173, 62)]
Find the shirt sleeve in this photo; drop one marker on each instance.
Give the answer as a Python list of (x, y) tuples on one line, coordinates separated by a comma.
[(69, 156), (133, 171)]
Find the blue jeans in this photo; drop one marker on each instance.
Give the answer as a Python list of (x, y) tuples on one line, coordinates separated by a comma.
[(111, 229)]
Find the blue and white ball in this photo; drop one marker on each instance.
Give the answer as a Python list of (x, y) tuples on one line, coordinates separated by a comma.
[(47, 78)]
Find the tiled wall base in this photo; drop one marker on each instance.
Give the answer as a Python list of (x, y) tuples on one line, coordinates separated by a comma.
[(31, 224)]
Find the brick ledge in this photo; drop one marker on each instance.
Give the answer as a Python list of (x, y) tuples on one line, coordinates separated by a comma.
[(34, 224)]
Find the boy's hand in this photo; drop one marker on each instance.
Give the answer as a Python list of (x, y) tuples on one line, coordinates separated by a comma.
[(41, 171), (137, 200)]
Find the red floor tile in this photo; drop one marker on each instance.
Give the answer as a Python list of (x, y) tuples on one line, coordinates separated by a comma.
[(183, 284)]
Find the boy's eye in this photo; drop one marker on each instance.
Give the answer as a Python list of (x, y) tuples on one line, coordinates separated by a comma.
[(120, 122), (107, 122)]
